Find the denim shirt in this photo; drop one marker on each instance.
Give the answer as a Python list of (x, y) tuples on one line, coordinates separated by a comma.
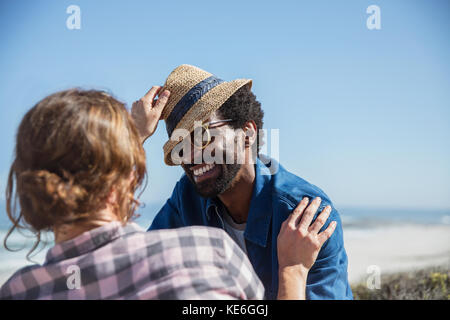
[(274, 198)]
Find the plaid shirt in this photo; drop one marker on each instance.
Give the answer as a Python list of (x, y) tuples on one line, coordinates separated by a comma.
[(125, 262)]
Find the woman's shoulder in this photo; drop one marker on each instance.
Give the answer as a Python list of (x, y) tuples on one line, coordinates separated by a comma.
[(14, 287)]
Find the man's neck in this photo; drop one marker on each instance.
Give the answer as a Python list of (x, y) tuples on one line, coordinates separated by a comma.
[(237, 198)]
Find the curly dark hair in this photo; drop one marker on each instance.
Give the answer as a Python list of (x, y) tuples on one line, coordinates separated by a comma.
[(242, 106)]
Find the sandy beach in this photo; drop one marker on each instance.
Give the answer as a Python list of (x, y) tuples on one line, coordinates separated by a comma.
[(395, 249), (392, 249)]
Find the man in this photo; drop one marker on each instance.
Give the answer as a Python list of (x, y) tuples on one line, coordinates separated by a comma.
[(244, 196)]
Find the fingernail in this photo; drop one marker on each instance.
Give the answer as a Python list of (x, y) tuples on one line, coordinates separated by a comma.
[(318, 199), (166, 93), (329, 208), (305, 199)]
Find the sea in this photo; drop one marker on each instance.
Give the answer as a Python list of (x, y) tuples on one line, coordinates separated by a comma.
[(357, 221)]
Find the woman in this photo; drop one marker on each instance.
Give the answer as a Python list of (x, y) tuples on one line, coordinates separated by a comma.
[(78, 162)]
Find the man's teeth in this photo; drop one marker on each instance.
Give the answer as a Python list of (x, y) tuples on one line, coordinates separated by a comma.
[(202, 170)]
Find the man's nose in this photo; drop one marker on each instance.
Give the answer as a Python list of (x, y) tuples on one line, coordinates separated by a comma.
[(196, 155)]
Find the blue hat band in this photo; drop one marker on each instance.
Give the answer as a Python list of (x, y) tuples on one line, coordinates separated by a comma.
[(188, 100)]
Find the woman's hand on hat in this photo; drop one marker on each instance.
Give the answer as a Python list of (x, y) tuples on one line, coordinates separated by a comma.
[(146, 112), (298, 246)]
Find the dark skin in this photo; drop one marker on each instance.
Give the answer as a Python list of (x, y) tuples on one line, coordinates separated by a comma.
[(237, 196), (296, 232)]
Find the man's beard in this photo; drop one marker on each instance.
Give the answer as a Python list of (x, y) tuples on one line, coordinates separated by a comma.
[(213, 187)]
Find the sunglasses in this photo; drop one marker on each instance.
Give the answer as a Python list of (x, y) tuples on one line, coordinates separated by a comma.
[(203, 140)]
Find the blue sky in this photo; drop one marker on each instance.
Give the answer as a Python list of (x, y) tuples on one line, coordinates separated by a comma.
[(363, 114)]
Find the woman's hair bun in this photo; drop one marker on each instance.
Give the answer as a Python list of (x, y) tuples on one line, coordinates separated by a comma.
[(49, 194)]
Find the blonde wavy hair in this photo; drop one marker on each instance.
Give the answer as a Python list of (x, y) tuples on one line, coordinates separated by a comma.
[(72, 148)]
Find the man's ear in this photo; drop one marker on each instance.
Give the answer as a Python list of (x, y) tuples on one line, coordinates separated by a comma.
[(251, 135)]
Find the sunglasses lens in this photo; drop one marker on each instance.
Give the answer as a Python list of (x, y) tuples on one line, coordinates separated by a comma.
[(200, 138)]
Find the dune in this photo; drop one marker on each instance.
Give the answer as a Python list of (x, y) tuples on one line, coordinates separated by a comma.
[(396, 249)]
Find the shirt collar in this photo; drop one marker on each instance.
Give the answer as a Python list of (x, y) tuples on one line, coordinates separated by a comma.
[(260, 215), (89, 241)]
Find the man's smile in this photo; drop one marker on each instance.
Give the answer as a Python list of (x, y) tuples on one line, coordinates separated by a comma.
[(203, 172)]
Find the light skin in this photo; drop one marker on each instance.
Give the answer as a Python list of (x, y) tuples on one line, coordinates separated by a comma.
[(104, 216), (66, 232), (296, 232)]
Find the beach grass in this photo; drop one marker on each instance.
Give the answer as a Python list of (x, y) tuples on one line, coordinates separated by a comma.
[(425, 284)]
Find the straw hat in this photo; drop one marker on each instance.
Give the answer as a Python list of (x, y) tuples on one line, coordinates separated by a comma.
[(194, 95)]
